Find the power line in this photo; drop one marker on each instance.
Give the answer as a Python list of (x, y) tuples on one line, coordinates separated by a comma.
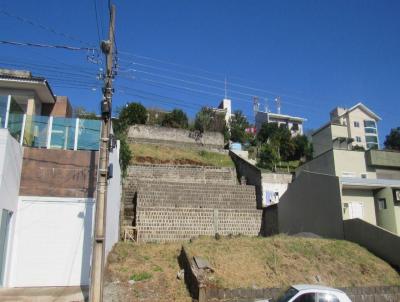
[(43, 27), (66, 47), (97, 22)]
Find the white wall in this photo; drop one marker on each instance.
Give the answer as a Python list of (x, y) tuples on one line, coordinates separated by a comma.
[(10, 170), (10, 176), (113, 202), (52, 243)]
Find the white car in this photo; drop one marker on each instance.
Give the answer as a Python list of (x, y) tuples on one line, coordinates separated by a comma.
[(312, 293)]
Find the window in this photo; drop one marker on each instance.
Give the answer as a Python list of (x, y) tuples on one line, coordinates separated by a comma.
[(356, 124), (369, 124), (371, 139), (309, 297), (382, 204), (327, 298), (358, 139), (370, 130), (295, 127)]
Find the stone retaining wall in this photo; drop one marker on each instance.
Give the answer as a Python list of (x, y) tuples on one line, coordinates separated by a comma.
[(175, 137)]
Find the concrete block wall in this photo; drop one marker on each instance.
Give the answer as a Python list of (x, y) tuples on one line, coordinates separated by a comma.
[(170, 173), (170, 211), (169, 203)]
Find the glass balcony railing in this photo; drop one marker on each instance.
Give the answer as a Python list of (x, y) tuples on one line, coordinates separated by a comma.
[(54, 132)]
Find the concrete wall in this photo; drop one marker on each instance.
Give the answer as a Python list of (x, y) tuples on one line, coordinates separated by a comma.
[(324, 164), (251, 173), (10, 170), (173, 211), (387, 218), (383, 158), (276, 183), (353, 162), (380, 242), (170, 173), (365, 197), (175, 137), (60, 173), (322, 141), (311, 204), (10, 176), (114, 192), (53, 242)]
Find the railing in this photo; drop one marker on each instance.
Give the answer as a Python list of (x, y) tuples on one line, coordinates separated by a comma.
[(54, 132)]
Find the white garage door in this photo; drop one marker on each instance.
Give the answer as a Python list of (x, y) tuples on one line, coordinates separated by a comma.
[(53, 239)]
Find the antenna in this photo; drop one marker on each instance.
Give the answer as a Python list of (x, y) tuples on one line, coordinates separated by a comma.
[(266, 105), (256, 105), (226, 90), (278, 104)]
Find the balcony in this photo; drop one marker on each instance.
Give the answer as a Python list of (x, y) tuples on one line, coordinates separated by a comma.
[(53, 132), (383, 158)]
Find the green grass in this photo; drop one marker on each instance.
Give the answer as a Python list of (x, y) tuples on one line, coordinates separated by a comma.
[(283, 166), (142, 276), (159, 154)]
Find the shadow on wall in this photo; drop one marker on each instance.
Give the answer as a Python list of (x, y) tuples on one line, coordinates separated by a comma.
[(312, 203), (87, 217)]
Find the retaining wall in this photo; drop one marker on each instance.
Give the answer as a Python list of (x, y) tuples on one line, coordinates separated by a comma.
[(382, 243), (170, 173), (175, 137), (173, 211)]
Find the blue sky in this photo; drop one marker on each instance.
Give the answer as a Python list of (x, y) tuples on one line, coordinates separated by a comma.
[(314, 54)]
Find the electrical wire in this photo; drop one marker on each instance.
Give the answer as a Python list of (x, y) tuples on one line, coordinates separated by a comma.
[(30, 44)]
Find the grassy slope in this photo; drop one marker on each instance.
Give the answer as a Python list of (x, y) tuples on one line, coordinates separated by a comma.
[(282, 260), (244, 262), (156, 264), (158, 154)]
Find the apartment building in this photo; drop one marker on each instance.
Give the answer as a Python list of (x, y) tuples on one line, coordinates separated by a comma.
[(356, 126), (293, 123)]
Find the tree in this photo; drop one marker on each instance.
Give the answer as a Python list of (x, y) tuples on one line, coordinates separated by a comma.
[(278, 136), (269, 156), (175, 119), (82, 112), (133, 113), (238, 124), (392, 141), (208, 120), (302, 147)]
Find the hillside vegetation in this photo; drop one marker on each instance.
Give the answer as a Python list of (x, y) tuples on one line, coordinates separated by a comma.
[(282, 260), (148, 272), (160, 154)]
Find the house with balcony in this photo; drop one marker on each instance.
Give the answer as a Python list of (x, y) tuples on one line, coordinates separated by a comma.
[(48, 179), (348, 129), (293, 123), (366, 182)]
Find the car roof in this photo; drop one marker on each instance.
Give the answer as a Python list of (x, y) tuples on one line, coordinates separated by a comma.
[(300, 287)]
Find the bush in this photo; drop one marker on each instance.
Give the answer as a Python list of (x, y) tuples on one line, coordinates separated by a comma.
[(175, 119), (269, 156)]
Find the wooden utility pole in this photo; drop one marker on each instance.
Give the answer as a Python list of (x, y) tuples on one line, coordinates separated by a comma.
[(96, 281)]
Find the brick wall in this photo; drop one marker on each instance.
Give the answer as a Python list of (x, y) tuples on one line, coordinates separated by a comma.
[(169, 203), (59, 173)]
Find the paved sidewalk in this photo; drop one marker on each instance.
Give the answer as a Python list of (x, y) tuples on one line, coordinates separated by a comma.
[(45, 294)]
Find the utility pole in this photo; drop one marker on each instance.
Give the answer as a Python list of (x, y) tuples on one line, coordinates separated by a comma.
[(96, 281)]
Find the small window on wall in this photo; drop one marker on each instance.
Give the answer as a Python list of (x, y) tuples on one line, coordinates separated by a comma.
[(358, 139), (357, 124), (382, 204)]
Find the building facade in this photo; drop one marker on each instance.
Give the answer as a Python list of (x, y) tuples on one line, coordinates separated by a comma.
[(293, 123)]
